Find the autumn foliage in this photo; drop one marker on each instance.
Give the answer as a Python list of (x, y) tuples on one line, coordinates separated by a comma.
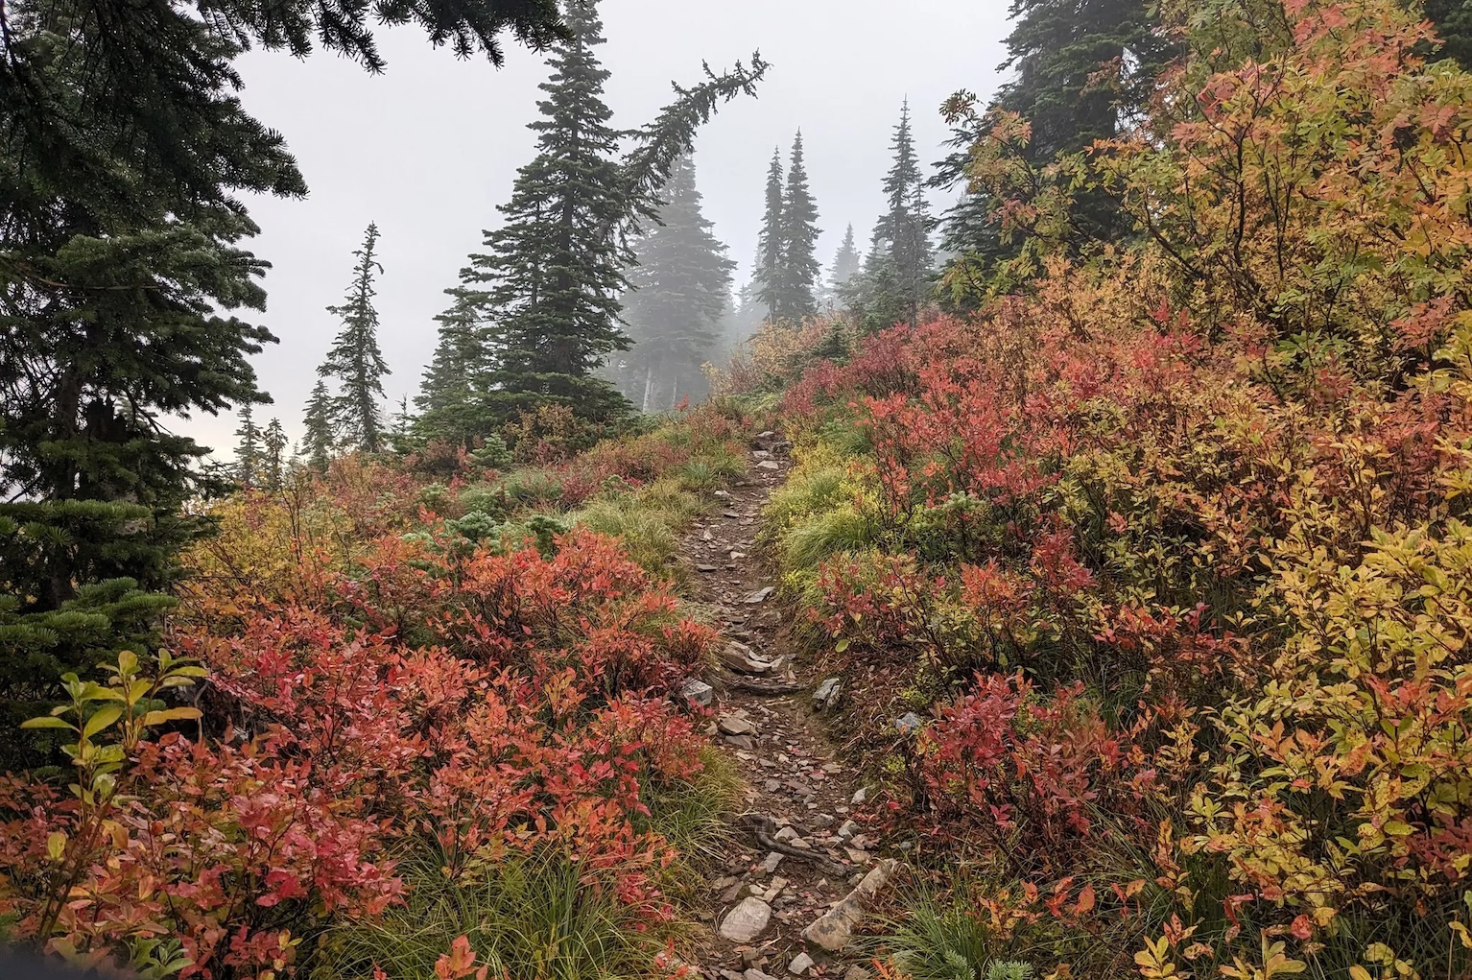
[(1170, 542), (379, 688)]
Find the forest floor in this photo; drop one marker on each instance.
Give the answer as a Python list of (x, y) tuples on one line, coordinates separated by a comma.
[(802, 843)]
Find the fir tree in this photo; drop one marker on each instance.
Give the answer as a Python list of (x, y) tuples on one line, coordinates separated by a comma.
[(551, 276), (681, 288), (800, 268), (450, 403), (767, 273), (1453, 20), (1059, 49), (124, 161), (845, 263), (355, 359), (247, 449), (273, 456), (896, 279), (321, 438)]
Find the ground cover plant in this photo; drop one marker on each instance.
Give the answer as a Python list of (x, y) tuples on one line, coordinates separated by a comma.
[(385, 700), (1167, 544)]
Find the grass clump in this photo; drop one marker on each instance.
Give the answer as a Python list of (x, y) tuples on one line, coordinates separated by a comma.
[(524, 915), (645, 520)]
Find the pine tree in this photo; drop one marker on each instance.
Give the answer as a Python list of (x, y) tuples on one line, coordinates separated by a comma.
[(1453, 20), (681, 288), (767, 273), (248, 449), (552, 274), (1059, 49), (450, 401), (125, 159), (355, 359), (845, 263), (800, 268), (896, 279), (273, 456), (321, 437)]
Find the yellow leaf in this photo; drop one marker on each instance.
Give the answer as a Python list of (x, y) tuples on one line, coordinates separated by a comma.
[(170, 714), (56, 845)]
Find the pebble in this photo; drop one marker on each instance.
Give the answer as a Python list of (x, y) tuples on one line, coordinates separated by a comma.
[(768, 464), (746, 921), (698, 691), (907, 723), (760, 595), (735, 725), (848, 829), (860, 795), (801, 963), (770, 864), (825, 692), (706, 569)]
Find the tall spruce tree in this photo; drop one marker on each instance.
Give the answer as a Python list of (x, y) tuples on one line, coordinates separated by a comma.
[(320, 438), (273, 456), (681, 287), (767, 274), (449, 400), (896, 280), (1061, 51), (355, 359), (845, 262), (1453, 20), (124, 158), (247, 448), (552, 274), (799, 224)]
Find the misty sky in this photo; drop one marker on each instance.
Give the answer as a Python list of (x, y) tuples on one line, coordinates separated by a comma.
[(429, 148)]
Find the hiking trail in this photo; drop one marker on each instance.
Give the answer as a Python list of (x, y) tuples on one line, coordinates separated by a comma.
[(803, 842)]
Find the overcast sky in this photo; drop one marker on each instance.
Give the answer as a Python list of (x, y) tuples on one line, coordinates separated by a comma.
[(429, 148)]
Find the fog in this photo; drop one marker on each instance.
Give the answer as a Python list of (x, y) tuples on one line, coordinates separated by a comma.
[(429, 148)]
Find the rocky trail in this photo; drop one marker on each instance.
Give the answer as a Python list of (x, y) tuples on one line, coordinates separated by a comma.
[(803, 863)]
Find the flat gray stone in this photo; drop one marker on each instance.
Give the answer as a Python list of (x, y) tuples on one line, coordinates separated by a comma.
[(698, 691), (746, 921), (801, 963)]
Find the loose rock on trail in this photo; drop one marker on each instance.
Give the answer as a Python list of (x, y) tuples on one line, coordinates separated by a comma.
[(799, 851)]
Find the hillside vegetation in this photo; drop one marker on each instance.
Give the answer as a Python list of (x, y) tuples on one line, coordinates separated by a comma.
[(1165, 542)]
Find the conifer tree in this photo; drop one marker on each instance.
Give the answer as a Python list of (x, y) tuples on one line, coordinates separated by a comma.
[(800, 267), (247, 449), (1059, 50), (124, 161), (896, 279), (767, 274), (449, 401), (321, 438), (355, 359), (273, 456), (681, 288), (551, 276), (845, 262), (1453, 20)]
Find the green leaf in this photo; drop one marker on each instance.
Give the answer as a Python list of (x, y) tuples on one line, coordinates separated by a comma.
[(47, 721), (102, 719)]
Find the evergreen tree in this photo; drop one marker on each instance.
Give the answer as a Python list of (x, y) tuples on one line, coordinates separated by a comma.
[(681, 287), (551, 275), (124, 158), (1453, 20), (449, 401), (273, 456), (355, 359), (800, 268), (321, 437), (845, 263), (1059, 49), (248, 449), (896, 279), (970, 240), (767, 273)]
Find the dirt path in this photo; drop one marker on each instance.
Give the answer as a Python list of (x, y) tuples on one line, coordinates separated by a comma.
[(793, 775)]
